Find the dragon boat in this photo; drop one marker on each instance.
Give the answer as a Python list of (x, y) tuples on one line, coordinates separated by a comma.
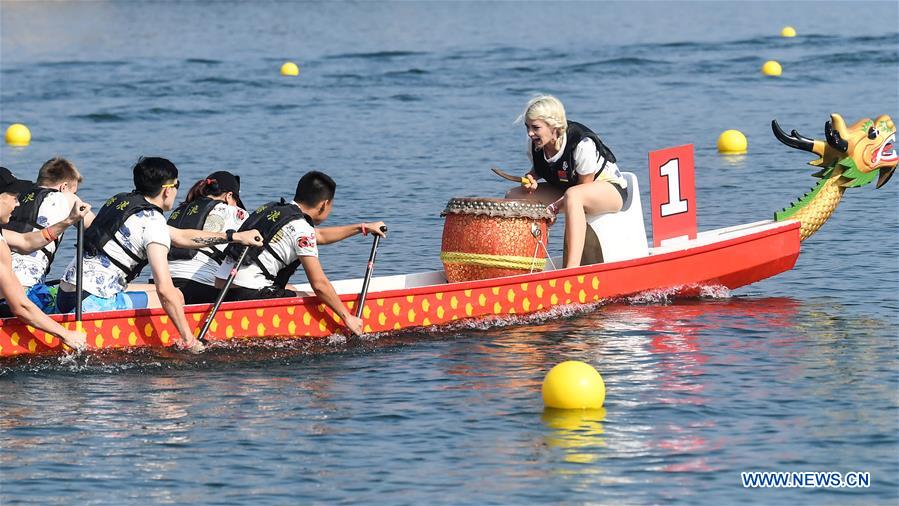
[(494, 272)]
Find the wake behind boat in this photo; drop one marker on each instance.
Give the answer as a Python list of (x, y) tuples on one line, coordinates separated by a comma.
[(681, 260)]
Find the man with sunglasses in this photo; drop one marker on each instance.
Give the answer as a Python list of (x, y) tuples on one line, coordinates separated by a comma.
[(129, 232)]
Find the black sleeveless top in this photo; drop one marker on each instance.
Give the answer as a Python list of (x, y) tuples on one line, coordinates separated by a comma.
[(192, 215), (561, 173), (269, 219), (108, 221), (24, 218)]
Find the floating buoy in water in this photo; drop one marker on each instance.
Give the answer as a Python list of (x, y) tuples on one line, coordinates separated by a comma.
[(290, 69), (788, 31), (732, 142), (18, 135), (771, 68), (573, 385)]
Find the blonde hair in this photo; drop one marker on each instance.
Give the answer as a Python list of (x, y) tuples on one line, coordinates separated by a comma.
[(549, 109)]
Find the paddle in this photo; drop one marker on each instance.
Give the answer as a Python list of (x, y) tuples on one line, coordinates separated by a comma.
[(510, 177), (79, 269), (368, 272), (221, 296)]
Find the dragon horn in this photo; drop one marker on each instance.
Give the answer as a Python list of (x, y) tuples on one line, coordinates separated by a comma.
[(794, 140), (885, 174), (832, 131)]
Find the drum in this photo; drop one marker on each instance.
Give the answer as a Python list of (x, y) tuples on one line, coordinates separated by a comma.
[(490, 238)]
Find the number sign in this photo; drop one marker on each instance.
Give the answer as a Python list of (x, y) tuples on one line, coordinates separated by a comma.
[(673, 193)]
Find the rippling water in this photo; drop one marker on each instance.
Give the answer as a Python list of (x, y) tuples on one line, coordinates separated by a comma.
[(407, 105)]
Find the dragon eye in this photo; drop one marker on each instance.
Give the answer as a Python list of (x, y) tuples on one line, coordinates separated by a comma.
[(873, 133)]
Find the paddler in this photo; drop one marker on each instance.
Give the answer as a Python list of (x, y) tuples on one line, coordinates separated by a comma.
[(129, 232), (291, 239), (580, 171), (48, 201), (17, 303), (212, 204)]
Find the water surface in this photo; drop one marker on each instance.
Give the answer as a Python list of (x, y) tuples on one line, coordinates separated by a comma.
[(407, 105)]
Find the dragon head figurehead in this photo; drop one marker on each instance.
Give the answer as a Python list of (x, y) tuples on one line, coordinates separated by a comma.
[(857, 153), (850, 156)]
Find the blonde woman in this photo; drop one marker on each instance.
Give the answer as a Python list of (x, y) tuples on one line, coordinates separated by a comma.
[(580, 171)]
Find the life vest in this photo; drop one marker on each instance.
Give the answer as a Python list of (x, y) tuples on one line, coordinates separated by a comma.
[(269, 219), (24, 218), (561, 173), (192, 215), (108, 221)]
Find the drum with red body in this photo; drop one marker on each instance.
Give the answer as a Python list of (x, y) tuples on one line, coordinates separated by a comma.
[(490, 238)]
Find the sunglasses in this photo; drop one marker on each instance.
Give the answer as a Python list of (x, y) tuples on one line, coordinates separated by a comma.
[(175, 185)]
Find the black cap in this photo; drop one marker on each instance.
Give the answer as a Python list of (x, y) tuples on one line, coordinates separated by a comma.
[(226, 182), (11, 184)]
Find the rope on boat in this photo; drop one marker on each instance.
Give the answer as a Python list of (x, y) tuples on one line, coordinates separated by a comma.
[(548, 257), (501, 261), (534, 258)]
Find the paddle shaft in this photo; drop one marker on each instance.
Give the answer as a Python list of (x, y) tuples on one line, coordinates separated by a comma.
[(368, 272), (224, 292), (79, 268)]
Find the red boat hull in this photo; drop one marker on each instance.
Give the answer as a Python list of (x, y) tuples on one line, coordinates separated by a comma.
[(731, 258)]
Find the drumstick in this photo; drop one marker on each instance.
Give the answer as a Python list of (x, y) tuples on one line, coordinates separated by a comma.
[(505, 175)]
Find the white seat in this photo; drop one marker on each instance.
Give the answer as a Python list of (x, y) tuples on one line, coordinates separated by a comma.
[(621, 235)]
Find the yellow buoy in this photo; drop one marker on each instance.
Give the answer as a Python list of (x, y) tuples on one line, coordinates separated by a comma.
[(788, 31), (573, 385), (290, 69), (732, 142), (771, 68), (18, 135)]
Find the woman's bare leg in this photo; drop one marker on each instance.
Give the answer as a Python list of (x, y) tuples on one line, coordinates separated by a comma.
[(589, 198)]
